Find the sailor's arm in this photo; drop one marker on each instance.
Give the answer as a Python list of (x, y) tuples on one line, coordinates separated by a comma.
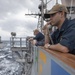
[(47, 39), (57, 47), (46, 32)]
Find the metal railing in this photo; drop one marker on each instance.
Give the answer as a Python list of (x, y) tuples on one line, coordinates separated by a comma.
[(21, 47)]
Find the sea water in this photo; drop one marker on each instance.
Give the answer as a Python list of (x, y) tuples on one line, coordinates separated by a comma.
[(8, 66)]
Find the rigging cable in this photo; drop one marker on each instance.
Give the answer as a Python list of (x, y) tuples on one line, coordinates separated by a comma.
[(49, 1)]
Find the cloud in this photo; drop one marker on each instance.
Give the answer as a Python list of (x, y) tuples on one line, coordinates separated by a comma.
[(19, 23), (4, 34), (13, 18)]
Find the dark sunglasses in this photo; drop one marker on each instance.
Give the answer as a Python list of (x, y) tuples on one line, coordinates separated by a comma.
[(52, 15), (49, 15)]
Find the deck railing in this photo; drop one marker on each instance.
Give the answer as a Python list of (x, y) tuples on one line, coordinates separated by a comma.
[(48, 62)]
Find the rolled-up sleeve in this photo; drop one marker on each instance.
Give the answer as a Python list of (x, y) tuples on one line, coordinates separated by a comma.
[(68, 38)]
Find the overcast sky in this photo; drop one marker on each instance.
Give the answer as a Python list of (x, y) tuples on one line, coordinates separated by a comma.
[(13, 19)]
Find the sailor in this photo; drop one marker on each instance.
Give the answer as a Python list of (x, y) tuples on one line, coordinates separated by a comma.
[(64, 36), (38, 40)]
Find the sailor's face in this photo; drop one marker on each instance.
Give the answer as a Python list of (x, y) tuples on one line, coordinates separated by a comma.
[(35, 33), (55, 19)]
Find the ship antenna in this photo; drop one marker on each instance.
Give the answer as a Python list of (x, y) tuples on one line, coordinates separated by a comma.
[(71, 9), (56, 1)]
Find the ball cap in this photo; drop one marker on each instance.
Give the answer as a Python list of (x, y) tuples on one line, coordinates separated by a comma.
[(57, 8)]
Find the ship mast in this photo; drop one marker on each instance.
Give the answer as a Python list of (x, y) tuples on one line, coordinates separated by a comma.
[(56, 1), (40, 18), (42, 7), (42, 14)]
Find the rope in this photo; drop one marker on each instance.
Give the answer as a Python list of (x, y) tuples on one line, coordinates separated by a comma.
[(50, 35)]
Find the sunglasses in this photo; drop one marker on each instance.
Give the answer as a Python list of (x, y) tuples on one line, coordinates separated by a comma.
[(52, 15), (49, 15)]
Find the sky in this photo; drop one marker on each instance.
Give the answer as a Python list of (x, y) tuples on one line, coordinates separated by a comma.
[(13, 18)]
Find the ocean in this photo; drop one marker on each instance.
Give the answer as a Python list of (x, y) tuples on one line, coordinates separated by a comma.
[(8, 64)]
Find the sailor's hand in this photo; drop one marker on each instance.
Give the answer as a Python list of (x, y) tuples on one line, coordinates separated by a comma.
[(30, 39), (45, 27), (47, 45), (49, 22), (34, 42)]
